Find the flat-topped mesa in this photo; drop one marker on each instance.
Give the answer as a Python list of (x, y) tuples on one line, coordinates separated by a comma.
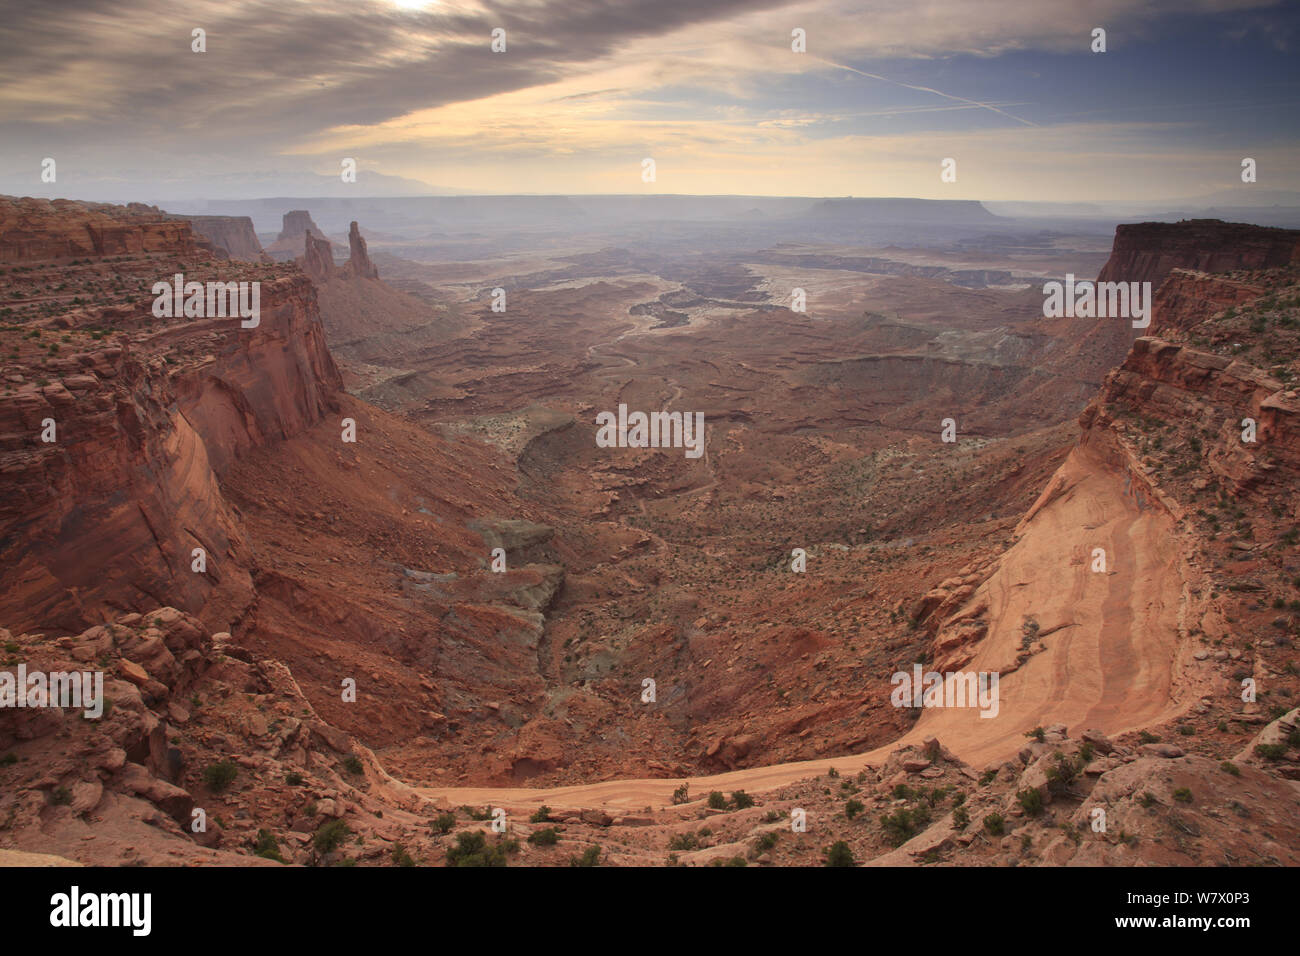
[(1150, 251), (43, 229), (296, 222), (359, 264)]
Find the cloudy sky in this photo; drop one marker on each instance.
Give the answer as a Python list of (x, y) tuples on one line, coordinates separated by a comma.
[(712, 91)]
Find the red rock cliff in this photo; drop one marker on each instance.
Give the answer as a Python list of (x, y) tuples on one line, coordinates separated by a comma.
[(146, 421), (1149, 251)]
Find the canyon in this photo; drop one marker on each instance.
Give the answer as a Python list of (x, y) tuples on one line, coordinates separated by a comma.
[(327, 561)]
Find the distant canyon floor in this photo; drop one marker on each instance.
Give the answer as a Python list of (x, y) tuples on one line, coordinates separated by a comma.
[(823, 434)]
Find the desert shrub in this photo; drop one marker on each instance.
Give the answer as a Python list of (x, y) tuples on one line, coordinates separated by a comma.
[(400, 857), (267, 846), (995, 824), (903, 824), (590, 857), (220, 775), (853, 808), (684, 841), (1031, 801), (473, 849), (443, 822), (541, 815), (839, 854), (330, 835), (547, 836)]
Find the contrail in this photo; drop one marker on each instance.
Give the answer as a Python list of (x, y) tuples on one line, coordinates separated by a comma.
[(924, 89)]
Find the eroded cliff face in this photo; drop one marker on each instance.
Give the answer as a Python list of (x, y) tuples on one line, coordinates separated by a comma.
[(112, 443), (1149, 251), (1157, 557), (40, 229), (233, 234)]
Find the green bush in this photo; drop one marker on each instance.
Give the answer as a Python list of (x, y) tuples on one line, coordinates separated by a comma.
[(267, 846), (547, 836), (903, 824), (839, 854), (717, 801), (443, 822), (741, 800), (684, 841), (853, 808), (400, 857), (473, 849), (1031, 801), (995, 824), (353, 765), (330, 835), (220, 775), (590, 857), (541, 815)]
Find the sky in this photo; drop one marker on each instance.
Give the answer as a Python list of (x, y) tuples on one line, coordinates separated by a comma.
[(713, 92)]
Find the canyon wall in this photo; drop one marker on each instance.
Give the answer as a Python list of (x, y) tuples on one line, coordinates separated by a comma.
[(234, 234), (37, 229), (1149, 251), (106, 516), (1126, 560)]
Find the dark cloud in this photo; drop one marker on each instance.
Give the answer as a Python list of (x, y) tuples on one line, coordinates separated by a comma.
[(291, 70)]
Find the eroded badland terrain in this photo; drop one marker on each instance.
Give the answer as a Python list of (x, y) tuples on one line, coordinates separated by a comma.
[(1112, 530)]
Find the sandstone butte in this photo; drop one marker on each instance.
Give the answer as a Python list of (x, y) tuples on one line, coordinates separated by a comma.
[(177, 436)]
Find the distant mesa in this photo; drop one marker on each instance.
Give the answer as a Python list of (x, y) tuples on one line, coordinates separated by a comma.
[(289, 244), (298, 221), (913, 211)]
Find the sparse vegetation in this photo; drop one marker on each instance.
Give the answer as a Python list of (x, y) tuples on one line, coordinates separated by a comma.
[(839, 854), (547, 836), (220, 775)]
